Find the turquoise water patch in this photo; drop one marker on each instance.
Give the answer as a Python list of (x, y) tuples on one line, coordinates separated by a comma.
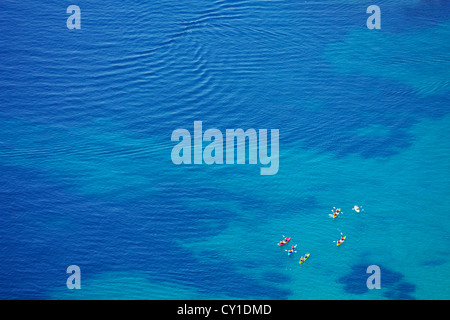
[(398, 207), (426, 66)]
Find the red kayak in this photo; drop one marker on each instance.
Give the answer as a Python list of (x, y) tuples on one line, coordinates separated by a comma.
[(284, 242)]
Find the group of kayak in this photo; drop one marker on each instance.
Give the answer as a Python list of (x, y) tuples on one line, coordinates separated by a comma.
[(334, 215), (293, 249)]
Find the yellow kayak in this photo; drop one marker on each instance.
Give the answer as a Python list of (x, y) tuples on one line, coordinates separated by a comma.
[(341, 241), (303, 259), (336, 213)]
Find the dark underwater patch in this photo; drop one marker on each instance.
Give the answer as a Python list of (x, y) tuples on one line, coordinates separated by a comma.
[(402, 291), (46, 228), (392, 284), (355, 281)]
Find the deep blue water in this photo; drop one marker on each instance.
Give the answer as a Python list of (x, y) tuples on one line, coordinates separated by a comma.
[(86, 177)]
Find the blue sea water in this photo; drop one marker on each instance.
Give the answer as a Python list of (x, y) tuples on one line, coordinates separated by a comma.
[(86, 177)]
